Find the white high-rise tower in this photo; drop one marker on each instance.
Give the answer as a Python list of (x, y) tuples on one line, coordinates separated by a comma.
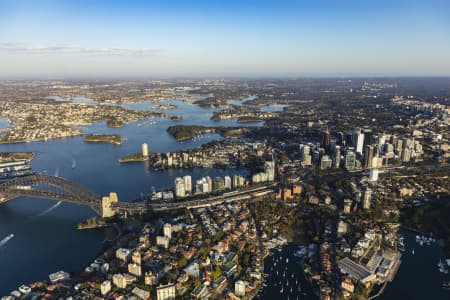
[(187, 184), (144, 150)]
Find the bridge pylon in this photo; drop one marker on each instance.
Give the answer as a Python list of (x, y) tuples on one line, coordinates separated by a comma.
[(106, 208)]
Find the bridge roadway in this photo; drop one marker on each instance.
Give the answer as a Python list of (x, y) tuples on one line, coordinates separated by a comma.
[(59, 189), (133, 207)]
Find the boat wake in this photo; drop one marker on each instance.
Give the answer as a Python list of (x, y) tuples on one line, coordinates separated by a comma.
[(6, 240), (49, 209)]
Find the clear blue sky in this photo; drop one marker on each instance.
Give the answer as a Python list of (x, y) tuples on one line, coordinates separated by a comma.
[(224, 38)]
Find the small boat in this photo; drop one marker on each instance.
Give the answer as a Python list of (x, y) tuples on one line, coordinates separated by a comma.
[(412, 251), (74, 164), (6, 239)]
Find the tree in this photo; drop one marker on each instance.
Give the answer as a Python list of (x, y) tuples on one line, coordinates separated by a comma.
[(216, 273), (31, 119), (182, 262)]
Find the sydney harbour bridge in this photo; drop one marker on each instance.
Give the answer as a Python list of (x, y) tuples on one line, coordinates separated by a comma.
[(60, 189), (49, 187)]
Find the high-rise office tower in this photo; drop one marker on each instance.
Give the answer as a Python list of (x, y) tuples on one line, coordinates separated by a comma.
[(210, 184), (406, 155), (349, 138), (167, 229), (269, 169), (326, 140), (325, 162), (218, 184), (358, 140), (340, 139), (179, 187), (227, 181), (367, 198), (337, 156), (398, 146), (350, 160), (381, 141), (144, 150), (187, 183), (369, 152)]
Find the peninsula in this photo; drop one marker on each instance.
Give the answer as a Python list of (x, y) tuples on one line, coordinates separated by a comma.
[(136, 157), (115, 139), (15, 156), (187, 132)]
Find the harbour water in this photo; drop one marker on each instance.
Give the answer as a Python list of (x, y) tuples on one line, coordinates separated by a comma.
[(4, 123), (45, 235), (285, 277), (46, 240), (418, 277)]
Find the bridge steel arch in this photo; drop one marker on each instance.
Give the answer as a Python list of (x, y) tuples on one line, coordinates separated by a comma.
[(49, 187)]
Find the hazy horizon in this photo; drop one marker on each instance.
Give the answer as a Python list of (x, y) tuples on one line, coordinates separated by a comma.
[(235, 39)]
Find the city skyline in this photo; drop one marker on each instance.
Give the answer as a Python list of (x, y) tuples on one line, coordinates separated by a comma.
[(67, 39)]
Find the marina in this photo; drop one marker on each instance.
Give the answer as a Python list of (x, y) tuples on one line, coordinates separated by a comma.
[(285, 276), (419, 269)]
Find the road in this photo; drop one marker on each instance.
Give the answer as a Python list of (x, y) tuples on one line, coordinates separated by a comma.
[(210, 201)]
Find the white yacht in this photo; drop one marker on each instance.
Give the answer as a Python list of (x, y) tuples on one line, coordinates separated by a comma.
[(6, 239)]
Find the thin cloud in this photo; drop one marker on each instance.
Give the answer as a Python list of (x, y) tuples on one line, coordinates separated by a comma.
[(72, 49)]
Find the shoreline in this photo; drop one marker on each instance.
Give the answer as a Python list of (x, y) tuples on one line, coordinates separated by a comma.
[(11, 156), (414, 230), (114, 139), (132, 158), (39, 140)]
